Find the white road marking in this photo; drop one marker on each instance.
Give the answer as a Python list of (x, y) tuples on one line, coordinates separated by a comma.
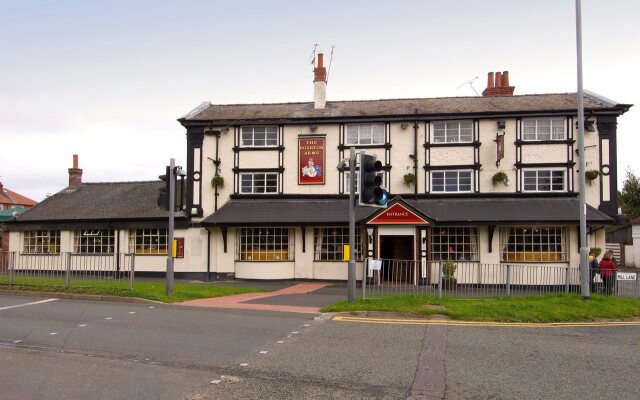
[(215, 382), (263, 352), (151, 307), (28, 304), (306, 325), (280, 341), (294, 332), (17, 341), (53, 333), (244, 364), (132, 312), (82, 325), (108, 318)]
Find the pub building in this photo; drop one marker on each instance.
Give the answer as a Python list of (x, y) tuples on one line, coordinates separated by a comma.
[(491, 179)]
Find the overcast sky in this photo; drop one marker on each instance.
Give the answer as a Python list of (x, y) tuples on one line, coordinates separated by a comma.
[(108, 79)]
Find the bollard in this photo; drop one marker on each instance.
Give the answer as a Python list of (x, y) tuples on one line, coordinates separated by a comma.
[(68, 270), (133, 270), (12, 260), (566, 281), (508, 280)]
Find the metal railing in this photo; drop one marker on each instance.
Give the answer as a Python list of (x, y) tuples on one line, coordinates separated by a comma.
[(116, 270), (472, 279)]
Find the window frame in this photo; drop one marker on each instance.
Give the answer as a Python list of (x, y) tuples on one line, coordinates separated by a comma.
[(341, 233), (346, 181), (150, 233), (453, 234), (38, 237), (246, 244), (457, 171), (551, 171), (526, 252), (359, 134), (537, 134), (253, 136), (445, 139), (91, 235), (253, 182)]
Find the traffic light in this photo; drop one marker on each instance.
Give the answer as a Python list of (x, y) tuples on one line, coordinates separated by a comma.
[(163, 196), (371, 177)]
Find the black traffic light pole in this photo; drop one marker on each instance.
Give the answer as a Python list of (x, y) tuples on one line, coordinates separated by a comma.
[(352, 226)]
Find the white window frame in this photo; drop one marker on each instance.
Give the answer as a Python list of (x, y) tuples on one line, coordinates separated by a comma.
[(347, 186), (41, 242), (461, 243), (535, 125), (452, 131), (551, 171), (253, 244), (153, 241), (328, 243), (532, 243), (253, 182), (251, 130), (88, 241), (361, 134), (450, 171)]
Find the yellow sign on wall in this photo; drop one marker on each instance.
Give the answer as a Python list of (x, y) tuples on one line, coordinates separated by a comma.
[(346, 252)]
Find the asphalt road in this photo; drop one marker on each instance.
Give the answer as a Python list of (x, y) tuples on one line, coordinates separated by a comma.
[(71, 350)]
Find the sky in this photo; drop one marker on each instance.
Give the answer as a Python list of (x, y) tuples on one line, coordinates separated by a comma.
[(107, 80)]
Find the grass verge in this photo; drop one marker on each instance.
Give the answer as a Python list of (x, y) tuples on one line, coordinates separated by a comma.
[(550, 308), (151, 290)]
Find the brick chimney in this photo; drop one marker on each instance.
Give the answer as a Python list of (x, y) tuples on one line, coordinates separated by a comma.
[(498, 86), (75, 173), (320, 84)]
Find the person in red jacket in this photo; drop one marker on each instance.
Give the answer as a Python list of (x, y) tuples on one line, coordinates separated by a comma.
[(608, 272)]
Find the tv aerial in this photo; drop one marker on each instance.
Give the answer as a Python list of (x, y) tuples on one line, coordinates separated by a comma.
[(470, 83)]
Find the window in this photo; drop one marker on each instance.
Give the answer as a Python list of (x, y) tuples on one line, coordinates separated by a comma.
[(451, 181), (454, 243), (347, 182), (544, 180), (259, 182), (96, 241), (328, 244), (148, 241), (533, 244), (453, 132), (41, 242), (544, 129), (365, 134), (259, 136), (264, 244)]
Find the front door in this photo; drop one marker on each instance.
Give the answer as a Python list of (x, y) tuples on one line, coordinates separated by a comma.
[(398, 257)]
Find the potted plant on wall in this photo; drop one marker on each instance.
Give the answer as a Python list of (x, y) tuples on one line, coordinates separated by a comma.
[(500, 177), (448, 278), (217, 181), (409, 179), (591, 175)]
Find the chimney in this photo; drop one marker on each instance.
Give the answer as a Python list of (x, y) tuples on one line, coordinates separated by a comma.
[(498, 87), (320, 84), (75, 173)]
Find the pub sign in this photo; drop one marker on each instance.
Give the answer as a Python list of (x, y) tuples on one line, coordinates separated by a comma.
[(311, 160)]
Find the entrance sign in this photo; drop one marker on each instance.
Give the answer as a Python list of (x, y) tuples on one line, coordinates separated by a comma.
[(311, 160), (626, 276), (398, 214)]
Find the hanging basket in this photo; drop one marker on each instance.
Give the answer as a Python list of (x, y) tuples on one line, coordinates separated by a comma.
[(217, 181), (500, 177), (409, 179)]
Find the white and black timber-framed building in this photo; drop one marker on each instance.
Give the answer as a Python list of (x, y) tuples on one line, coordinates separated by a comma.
[(279, 210)]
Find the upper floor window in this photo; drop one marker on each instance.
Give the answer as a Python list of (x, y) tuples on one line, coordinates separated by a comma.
[(41, 242), (347, 182), (95, 241), (453, 132), (259, 182), (259, 136), (365, 134), (544, 180), (451, 181), (148, 241), (544, 129)]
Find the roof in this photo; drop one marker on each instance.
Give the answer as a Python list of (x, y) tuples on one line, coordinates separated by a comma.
[(10, 197), (244, 212), (114, 201), (403, 107)]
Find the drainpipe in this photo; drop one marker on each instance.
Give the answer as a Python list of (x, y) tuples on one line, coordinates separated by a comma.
[(208, 255), (415, 155), (217, 166)]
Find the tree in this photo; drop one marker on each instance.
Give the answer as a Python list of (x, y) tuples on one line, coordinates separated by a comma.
[(629, 197)]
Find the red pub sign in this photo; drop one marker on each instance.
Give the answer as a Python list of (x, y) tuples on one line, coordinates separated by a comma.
[(311, 160), (397, 214)]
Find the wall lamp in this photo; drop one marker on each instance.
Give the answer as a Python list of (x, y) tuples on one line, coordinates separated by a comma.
[(404, 125), (501, 124), (224, 130), (589, 125), (313, 128)]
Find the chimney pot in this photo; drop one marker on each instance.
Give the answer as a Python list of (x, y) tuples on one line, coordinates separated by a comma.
[(500, 86), (498, 79), (505, 78), (490, 80), (320, 84)]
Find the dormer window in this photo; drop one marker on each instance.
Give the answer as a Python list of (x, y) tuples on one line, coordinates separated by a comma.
[(539, 129), (259, 136)]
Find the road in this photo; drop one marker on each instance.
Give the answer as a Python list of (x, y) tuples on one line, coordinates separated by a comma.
[(71, 349)]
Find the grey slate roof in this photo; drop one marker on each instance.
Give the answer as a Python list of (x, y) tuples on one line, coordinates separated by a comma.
[(245, 212), (401, 107), (100, 201)]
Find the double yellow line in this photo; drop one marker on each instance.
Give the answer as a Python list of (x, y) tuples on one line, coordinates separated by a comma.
[(399, 321)]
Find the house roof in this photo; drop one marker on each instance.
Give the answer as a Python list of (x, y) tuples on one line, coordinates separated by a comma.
[(535, 103), (462, 211), (93, 202), (10, 197)]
